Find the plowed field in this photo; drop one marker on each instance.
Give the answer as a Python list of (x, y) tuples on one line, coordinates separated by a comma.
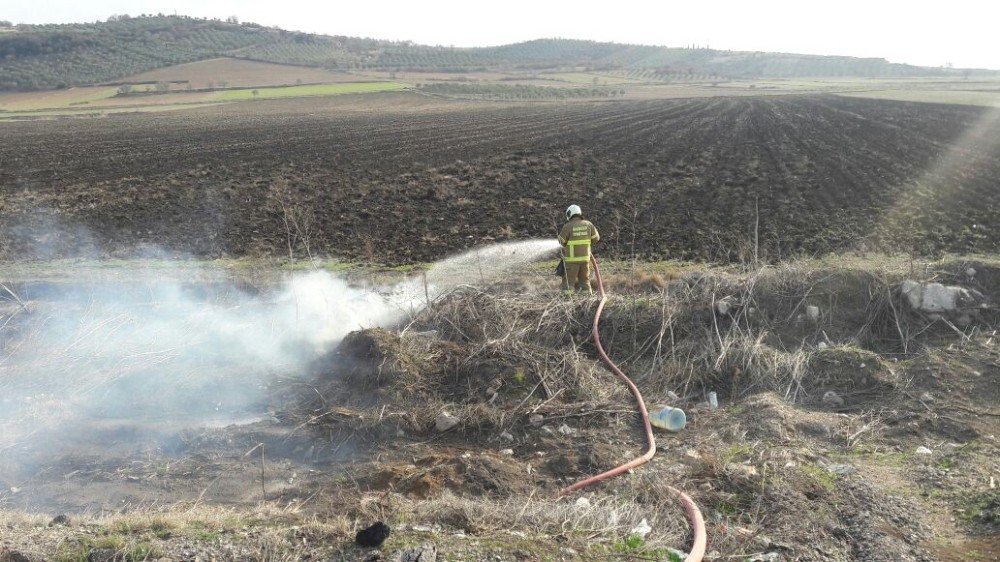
[(404, 179)]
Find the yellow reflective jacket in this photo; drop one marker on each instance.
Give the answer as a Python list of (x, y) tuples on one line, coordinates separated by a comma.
[(576, 237)]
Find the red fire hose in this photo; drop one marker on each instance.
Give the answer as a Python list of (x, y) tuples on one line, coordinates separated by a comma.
[(693, 513)]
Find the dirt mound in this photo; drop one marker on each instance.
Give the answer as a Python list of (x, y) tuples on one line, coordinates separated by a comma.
[(855, 374), (479, 474), (415, 366)]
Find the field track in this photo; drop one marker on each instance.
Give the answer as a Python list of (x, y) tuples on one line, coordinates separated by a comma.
[(669, 178)]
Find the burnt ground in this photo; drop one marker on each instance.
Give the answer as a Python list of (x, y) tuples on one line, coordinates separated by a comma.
[(398, 178), (776, 470)]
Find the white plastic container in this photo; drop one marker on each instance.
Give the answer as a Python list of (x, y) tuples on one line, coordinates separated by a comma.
[(668, 417)]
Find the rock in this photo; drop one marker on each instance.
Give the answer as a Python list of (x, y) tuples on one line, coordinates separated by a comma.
[(536, 420), (372, 537), (921, 450), (506, 436), (426, 553), (105, 555), (765, 557), (742, 471), (15, 556), (970, 272), (445, 421), (507, 452), (935, 298), (566, 430), (642, 529), (812, 313), (725, 306), (582, 502), (832, 400), (841, 469), (822, 345), (61, 519)]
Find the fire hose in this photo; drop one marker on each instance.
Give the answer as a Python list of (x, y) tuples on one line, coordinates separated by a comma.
[(693, 513)]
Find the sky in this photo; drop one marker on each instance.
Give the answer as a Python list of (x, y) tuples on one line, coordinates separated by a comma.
[(963, 33)]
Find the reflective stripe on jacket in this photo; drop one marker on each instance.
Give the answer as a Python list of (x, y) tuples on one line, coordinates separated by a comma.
[(576, 237)]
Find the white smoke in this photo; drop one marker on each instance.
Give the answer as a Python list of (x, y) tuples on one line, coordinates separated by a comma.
[(170, 349)]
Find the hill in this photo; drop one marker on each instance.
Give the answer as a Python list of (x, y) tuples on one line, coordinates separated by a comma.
[(55, 56)]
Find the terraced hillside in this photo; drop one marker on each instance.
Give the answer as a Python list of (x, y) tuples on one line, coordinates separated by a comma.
[(55, 56), (414, 179)]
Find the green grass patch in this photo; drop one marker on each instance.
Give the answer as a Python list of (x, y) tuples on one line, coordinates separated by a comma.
[(92, 111), (310, 90), (635, 545), (821, 476), (958, 97), (130, 550), (983, 507)]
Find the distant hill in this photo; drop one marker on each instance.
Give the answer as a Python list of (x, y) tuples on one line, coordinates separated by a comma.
[(55, 56)]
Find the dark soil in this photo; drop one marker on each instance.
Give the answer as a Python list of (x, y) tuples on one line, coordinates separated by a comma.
[(384, 183)]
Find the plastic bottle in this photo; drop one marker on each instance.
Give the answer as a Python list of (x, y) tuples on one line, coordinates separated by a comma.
[(668, 417)]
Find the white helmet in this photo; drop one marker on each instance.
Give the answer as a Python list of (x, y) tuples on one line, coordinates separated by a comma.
[(572, 211)]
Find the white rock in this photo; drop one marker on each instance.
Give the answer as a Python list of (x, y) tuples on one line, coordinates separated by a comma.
[(812, 313), (507, 452), (506, 436), (913, 293), (445, 421), (932, 297), (822, 345), (724, 306), (832, 400), (642, 529), (566, 430), (582, 503), (921, 450), (970, 272)]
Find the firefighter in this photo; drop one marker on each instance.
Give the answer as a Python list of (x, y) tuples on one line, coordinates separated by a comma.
[(576, 237)]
